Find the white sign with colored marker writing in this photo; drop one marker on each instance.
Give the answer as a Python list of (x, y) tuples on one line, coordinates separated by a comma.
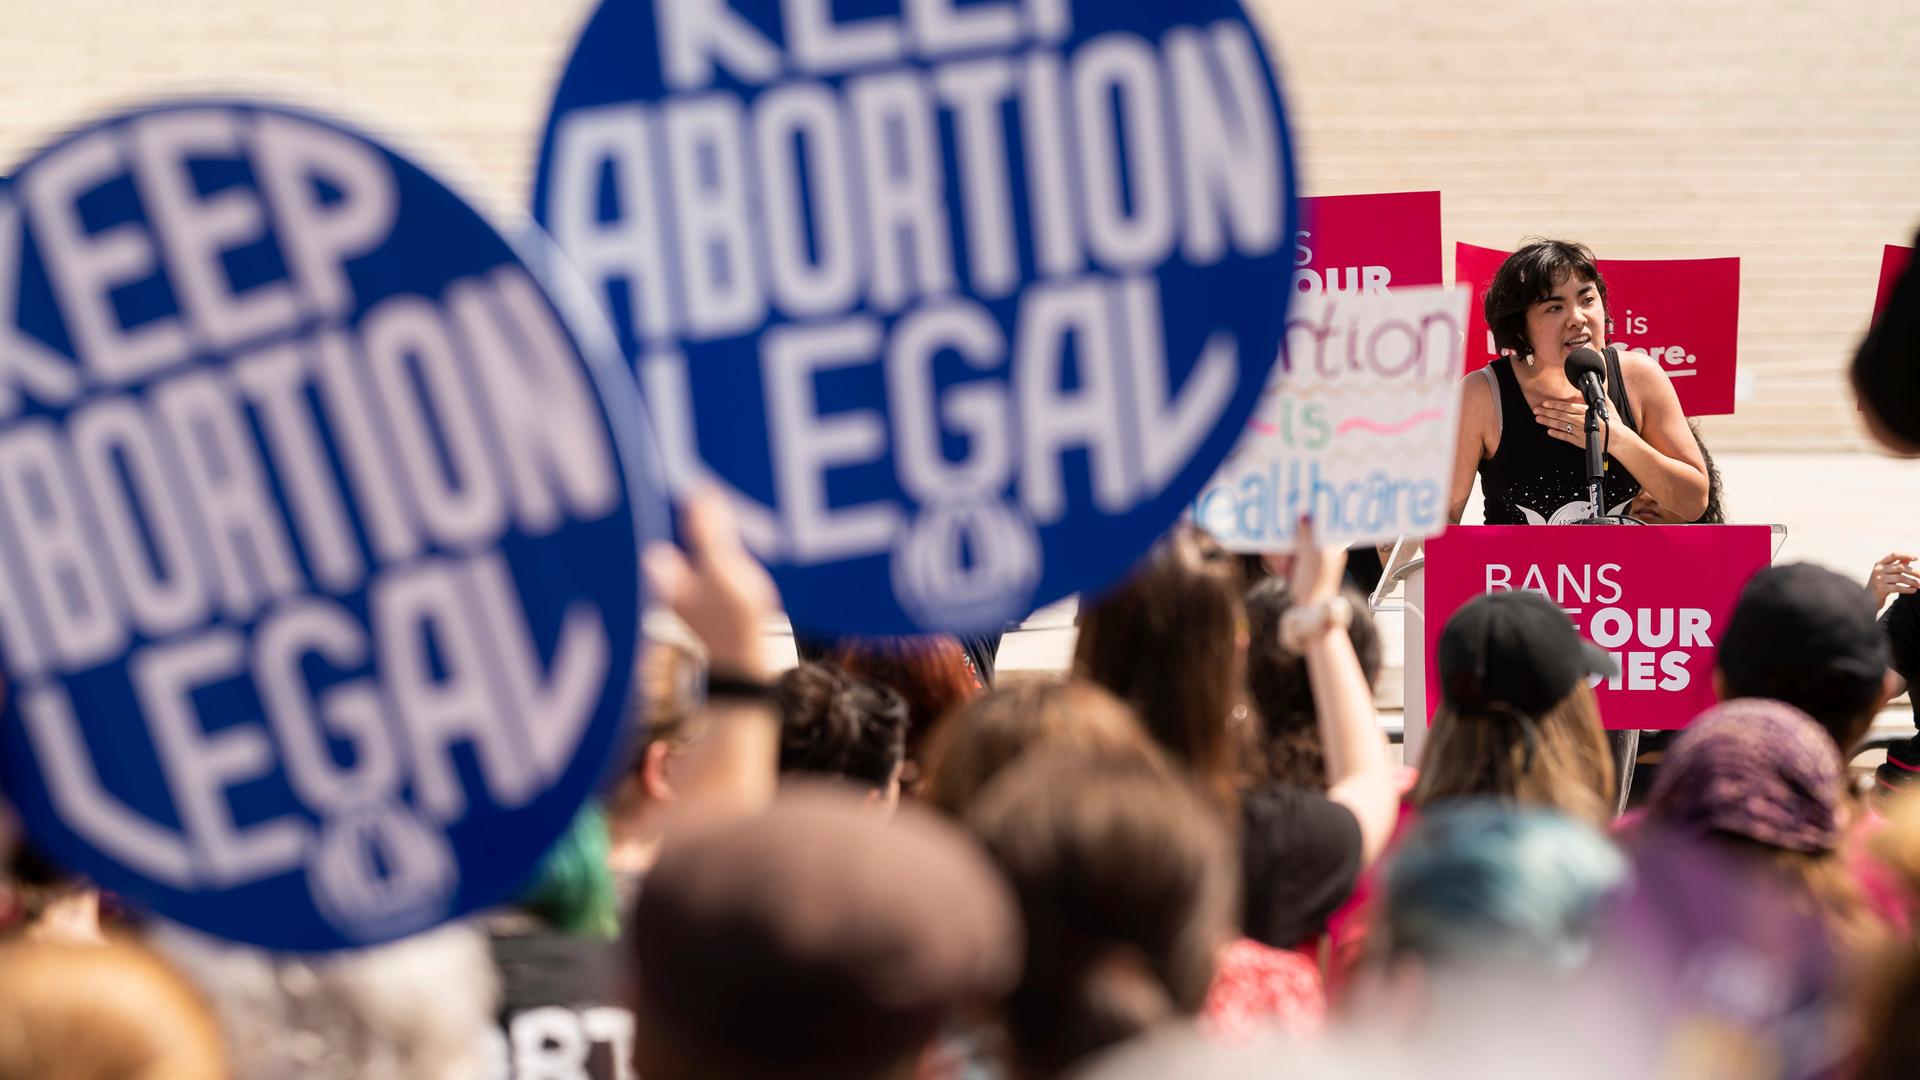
[(1356, 429)]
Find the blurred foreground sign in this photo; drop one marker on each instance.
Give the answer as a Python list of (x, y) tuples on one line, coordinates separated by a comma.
[(318, 539), (1357, 429), (962, 301)]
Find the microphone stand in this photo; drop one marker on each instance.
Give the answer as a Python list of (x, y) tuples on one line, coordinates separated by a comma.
[(1597, 476)]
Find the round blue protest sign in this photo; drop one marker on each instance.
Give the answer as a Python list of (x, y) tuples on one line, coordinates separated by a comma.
[(960, 299), (319, 529)]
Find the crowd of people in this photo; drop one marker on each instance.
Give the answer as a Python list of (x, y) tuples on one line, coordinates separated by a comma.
[(1193, 854)]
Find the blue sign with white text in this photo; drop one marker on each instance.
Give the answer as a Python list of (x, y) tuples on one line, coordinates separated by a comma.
[(319, 530), (961, 300)]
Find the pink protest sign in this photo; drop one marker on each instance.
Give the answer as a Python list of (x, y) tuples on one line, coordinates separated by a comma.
[(1656, 597), (1685, 313), (1892, 262), (1367, 243)]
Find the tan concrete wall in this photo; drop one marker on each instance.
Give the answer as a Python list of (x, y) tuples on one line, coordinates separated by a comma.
[(1784, 133)]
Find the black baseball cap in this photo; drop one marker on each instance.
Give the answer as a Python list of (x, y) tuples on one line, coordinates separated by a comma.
[(1516, 649), (1801, 625)]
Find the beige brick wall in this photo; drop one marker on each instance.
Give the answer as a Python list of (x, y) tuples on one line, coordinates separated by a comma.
[(1782, 133)]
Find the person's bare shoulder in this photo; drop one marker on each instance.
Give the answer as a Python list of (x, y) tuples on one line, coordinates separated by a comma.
[(1639, 367), (1477, 403)]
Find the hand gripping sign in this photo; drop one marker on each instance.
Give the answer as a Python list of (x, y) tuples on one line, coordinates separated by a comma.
[(962, 300), (318, 538)]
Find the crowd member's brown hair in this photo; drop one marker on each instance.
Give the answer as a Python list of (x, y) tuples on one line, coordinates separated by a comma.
[(1559, 759), (1289, 749), (931, 674), (109, 1010), (975, 742), (1127, 882), (1167, 642), (834, 725), (665, 714), (815, 941)]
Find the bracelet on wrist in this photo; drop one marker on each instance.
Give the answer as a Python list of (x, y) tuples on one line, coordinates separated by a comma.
[(1305, 623)]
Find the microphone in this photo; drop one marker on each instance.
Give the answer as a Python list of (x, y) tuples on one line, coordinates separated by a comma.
[(1586, 370)]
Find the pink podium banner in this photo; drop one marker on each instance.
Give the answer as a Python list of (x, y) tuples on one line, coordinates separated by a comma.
[(1367, 243), (1892, 261), (1685, 313), (1656, 597)]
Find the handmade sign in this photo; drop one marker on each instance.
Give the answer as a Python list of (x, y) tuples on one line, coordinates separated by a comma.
[(1358, 431), (1367, 243), (1655, 596), (1685, 313), (961, 301), (318, 538)]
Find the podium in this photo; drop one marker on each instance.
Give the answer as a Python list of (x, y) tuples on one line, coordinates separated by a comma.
[(1656, 597)]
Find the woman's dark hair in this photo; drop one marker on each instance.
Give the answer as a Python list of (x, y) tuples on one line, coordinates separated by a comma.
[(1128, 886), (1290, 751), (1716, 512), (36, 883), (1527, 277), (1165, 642), (836, 725), (932, 674)]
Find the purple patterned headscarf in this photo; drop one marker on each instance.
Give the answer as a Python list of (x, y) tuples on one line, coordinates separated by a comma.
[(1755, 768)]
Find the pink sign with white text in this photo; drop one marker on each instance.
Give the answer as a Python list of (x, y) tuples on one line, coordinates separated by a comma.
[(1367, 243), (1654, 596), (1685, 313), (1893, 261)]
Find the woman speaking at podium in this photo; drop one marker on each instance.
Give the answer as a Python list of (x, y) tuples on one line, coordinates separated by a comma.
[(1523, 424)]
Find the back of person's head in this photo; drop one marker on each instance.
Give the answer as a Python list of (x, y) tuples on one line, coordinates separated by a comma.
[(1478, 884), (834, 725), (1886, 381), (422, 1008), (1517, 720), (110, 1011), (1128, 886), (44, 899), (931, 673), (1759, 778), (1278, 685), (1804, 635), (663, 718), (814, 940), (975, 742), (1167, 642), (1529, 276)]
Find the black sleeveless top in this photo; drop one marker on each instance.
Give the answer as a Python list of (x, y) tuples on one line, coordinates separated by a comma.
[(1534, 478)]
